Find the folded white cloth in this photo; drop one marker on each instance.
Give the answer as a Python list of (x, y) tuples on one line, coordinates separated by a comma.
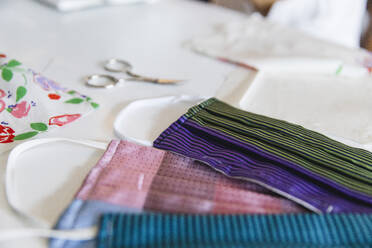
[(339, 21), (264, 44)]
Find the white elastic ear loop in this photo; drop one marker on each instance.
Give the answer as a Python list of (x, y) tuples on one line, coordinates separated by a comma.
[(10, 190), (77, 234)]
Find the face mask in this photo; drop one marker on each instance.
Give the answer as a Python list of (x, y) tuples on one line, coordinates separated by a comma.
[(226, 231), (142, 121), (31, 104), (135, 178), (42, 228), (317, 172)]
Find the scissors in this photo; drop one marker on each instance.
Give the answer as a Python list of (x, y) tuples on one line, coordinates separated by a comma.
[(118, 65)]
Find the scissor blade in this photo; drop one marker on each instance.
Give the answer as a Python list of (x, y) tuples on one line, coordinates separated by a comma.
[(167, 81), (155, 80)]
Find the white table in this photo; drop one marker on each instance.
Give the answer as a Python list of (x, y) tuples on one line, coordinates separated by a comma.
[(67, 47)]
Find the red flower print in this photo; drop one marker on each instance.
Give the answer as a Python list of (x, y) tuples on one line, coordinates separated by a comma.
[(6, 134), (21, 109), (2, 103), (54, 96), (2, 55), (2, 93), (63, 119)]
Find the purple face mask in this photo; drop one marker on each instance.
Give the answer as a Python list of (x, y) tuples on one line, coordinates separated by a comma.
[(317, 172)]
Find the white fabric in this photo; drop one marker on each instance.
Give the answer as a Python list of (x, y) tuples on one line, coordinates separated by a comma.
[(142, 121), (339, 21), (337, 106), (14, 201), (76, 234), (264, 44), (310, 65), (70, 5)]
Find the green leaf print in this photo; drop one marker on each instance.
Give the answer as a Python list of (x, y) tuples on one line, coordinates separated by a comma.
[(39, 126), (75, 101), (27, 135), (13, 63), (21, 92), (94, 105), (339, 69), (7, 74)]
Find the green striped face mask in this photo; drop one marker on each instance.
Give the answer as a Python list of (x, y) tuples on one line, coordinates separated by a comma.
[(320, 173)]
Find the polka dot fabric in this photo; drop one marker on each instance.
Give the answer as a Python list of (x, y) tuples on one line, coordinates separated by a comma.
[(150, 179)]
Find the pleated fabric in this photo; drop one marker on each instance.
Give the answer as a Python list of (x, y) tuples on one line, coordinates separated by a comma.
[(320, 173), (134, 178), (196, 231)]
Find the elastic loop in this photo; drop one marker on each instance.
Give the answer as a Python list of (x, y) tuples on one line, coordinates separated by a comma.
[(11, 193), (77, 234)]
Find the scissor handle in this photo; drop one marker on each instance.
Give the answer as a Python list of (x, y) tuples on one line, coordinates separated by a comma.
[(117, 65), (101, 81)]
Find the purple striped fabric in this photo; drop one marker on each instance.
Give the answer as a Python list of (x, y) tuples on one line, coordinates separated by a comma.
[(235, 158)]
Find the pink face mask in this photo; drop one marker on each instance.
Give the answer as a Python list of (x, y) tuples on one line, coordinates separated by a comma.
[(146, 178), (135, 178)]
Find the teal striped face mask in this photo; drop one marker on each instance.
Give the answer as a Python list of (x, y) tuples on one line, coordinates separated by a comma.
[(237, 231), (320, 173)]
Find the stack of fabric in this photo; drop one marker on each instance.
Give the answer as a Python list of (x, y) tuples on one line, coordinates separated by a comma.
[(223, 177)]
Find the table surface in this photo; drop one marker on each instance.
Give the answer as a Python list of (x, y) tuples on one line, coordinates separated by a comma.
[(66, 47)]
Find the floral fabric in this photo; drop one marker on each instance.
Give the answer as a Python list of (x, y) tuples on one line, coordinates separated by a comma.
[(31, 103)]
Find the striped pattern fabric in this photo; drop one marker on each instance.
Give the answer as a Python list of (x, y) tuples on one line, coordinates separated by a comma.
[(133, 178), (316, 171), (233, 231)]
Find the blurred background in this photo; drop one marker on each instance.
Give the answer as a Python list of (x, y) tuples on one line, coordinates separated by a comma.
[(346, 22), (359, 11)]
